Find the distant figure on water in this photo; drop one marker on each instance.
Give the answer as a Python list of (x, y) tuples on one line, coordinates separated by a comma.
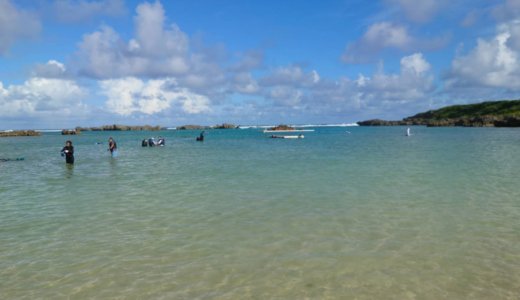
[(144, 143), (14, 159), (68, 152), (201, 137), (151, 142), (160, 142), (408, 132), (112, 147)]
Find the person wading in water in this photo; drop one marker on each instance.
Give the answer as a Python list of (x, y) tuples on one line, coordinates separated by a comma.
[(68, 152), (112, 147)]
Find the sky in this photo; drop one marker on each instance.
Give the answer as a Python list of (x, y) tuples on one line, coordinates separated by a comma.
[(67, 63)]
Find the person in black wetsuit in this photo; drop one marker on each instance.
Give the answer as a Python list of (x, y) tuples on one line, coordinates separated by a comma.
[(144, 143), (69, 153), (201, 138), (151, 142)]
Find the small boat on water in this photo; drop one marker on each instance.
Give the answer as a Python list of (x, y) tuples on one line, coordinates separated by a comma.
[(408, 132), (296, 130), (287, 136)]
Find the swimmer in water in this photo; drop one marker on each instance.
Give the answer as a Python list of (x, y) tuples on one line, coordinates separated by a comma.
[(68, 151)]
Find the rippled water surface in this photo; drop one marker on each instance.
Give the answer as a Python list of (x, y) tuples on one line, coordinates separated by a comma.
[(367, 215)]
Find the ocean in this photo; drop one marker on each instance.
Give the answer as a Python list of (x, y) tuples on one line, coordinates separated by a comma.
[(370, 214)]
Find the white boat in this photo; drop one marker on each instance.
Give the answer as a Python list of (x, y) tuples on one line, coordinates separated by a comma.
[(297, 130), (287, 136), (293, 136)]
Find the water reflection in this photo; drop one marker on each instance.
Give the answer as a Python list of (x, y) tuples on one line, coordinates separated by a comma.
[(112, 162), (69, 170)]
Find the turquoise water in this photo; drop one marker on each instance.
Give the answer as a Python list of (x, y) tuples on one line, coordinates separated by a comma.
[(367, 215)]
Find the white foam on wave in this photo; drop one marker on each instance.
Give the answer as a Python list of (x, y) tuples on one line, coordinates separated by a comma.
[(51, 130), (255, 126), (301, 126)]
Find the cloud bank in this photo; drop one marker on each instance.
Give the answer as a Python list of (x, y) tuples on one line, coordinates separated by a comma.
[(159, 72)]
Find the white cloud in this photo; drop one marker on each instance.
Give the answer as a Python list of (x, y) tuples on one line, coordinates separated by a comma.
[(414, 63), (514, 39), (129, 95), (160, 73), (103, 54), (42, 97), (509, 10), (15, 24), (154, 52), (252, 59), (380, 91), (286, 96), (203, 75), (77, 11), (294, 90), (291, 75), (385, 35), (152, 40), (420, 11), (52, 69), (492, 63), (410, 85), (244, 83)]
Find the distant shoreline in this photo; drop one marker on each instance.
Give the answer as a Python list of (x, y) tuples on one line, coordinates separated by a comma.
[(148, 127), (478, 121), (485, 114), (20, 133)]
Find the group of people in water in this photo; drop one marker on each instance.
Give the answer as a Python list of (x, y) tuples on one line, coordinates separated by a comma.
[(68, 150), (152, 143)]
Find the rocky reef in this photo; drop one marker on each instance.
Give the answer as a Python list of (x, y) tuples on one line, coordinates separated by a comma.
[(224, 126), (191, 127), (20, 133), (282, 127), (406, 121), (479, 121), (70, 132), (116, 127)]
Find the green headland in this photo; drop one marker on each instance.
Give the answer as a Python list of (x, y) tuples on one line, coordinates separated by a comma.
[(486, 114)]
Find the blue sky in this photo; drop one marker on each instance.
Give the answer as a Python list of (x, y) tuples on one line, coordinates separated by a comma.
[(66, 63)]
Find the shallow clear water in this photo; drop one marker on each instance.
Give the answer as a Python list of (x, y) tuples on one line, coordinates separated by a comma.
[(367, 215)]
